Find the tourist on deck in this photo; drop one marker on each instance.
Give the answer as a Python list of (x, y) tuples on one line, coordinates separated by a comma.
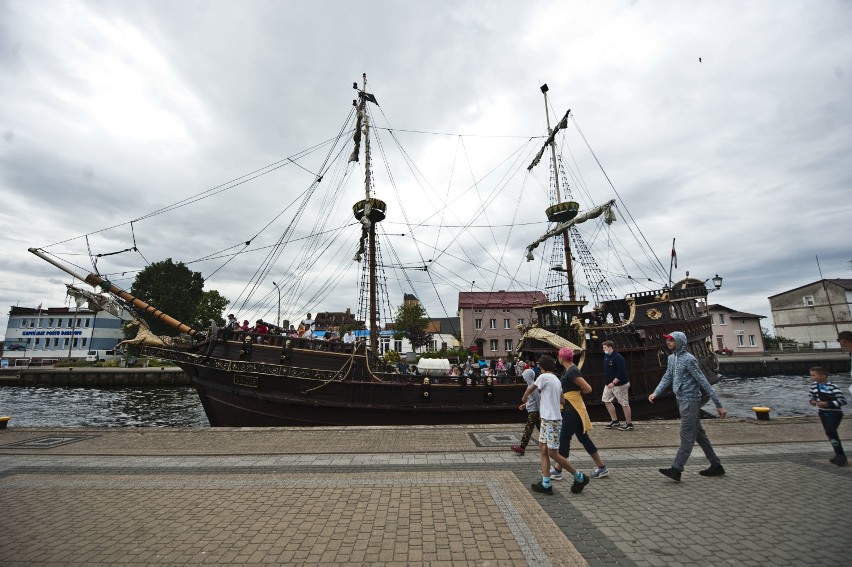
[(401, 367), (533, 415), (520, 366), (308, 323), (829, 399), (348, 338), (245, 326), (231, 326), (550, 428), (501, 370), (687, 380), (616, 387), (293, 332), (575, 417)]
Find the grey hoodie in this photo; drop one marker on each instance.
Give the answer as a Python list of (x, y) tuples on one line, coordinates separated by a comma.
[(532, 401), (684, 375)]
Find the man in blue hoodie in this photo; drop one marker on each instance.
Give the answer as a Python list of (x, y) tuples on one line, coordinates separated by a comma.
[(687, 381)]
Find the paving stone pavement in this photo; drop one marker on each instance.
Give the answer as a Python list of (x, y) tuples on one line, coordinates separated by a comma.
[(417, 496)]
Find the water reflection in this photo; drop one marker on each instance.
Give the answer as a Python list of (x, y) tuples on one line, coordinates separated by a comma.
[(85, 407), (786, 396)]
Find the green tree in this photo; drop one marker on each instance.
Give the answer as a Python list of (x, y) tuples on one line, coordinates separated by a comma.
[(773, 342), (177, 291), (412, 323), (211, 306)]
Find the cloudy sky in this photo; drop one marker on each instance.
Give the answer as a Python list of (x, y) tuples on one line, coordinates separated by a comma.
[(111, 111)]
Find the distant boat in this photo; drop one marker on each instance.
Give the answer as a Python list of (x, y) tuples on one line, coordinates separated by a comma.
[(245, 379)]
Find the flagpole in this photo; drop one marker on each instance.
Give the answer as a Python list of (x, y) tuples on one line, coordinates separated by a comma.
[(671, 262)]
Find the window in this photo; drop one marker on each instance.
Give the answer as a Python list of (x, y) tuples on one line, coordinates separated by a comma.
[(477, 310), (70, 323), (22, 324), (66, 342), (751, 340), (808, 300), (50, 322), (397, 346), (506, 324), (32, 323), (508, 345), (506, 311), (37, 343), (84, 342), (493, 345), (385, 345), (722, 319), (56, 343), (477, 324), (87, 322), (492, 323), (740, 341), (76, 343), (520, 321)]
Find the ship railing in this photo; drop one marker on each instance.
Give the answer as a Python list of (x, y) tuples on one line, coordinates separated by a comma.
[(296, 342)]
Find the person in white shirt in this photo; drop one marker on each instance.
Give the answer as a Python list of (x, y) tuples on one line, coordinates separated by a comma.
[(551, 424), (348, 338)]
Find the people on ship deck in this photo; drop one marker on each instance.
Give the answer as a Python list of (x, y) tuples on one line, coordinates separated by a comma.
[(308, 323), (348, 338), (245, 326)]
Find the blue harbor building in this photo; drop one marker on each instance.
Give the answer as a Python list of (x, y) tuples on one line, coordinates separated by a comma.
[(45, 336)]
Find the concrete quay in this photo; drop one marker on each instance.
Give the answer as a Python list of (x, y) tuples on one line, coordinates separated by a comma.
[(436, 496)]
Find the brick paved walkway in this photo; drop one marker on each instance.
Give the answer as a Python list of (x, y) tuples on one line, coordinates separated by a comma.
[(455, 496)]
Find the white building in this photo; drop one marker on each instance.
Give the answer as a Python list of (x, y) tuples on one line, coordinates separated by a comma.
[(58, 333), (814, 313)]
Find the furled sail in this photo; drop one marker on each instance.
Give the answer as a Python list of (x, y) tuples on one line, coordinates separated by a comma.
[(561, 125), (96, 301), (562, 227)]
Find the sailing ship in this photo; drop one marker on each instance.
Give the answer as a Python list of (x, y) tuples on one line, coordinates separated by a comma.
[(245, 379)]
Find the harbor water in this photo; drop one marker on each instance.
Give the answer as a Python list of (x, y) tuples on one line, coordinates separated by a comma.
[(180, 406)]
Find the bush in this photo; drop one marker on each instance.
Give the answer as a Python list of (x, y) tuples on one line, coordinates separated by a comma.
[(391, 357)]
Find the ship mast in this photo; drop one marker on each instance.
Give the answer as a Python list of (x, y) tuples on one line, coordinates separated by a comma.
[(369, 211), (569, 265)]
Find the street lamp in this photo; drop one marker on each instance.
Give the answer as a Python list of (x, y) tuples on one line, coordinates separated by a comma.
[(717, 282), (278, 289)]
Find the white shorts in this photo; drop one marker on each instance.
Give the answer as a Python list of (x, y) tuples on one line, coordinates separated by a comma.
[(617, 392)]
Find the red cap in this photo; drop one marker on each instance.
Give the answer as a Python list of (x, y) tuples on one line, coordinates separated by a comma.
[(667, 337)]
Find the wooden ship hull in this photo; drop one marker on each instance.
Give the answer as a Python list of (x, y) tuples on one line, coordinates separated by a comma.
[(300, 382)]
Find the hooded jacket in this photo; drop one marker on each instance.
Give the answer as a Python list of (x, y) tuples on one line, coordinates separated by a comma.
[(533, 400), (684, 375)]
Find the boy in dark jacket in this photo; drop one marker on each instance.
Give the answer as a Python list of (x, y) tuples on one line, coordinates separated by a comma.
[(829, 399)]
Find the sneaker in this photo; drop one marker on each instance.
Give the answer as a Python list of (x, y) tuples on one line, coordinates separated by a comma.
[(539, 487), (626, 427), (612, 424), (579, 485), (555, 474), (600, 472), (519, 450), (672, 473), (714, 470)]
